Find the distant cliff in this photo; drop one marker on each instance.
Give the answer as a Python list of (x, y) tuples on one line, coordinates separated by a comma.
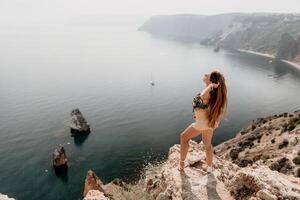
[(274, 34), (186, 27), (289, 48)]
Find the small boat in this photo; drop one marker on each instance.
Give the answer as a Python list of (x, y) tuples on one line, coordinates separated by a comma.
[(152, 82), (217, 49)]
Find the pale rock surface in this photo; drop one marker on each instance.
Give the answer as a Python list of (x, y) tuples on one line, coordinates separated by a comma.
[(92, 182), (228, 181), (194, 182), (248, 174), (95, 195), (5, 197)]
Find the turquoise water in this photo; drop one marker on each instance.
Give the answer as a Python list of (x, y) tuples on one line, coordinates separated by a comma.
[(104, 66)]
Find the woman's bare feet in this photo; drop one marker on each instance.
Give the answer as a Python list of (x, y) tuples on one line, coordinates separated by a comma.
[(208, 169), (181, 166)]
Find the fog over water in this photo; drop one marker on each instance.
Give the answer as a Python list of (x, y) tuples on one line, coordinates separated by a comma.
[(103, 66)]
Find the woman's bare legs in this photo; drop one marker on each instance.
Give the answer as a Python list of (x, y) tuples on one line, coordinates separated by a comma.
[(190, 133), (185, 136), (206, 139)]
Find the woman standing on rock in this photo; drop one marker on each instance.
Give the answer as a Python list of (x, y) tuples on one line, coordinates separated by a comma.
[(209, 107)]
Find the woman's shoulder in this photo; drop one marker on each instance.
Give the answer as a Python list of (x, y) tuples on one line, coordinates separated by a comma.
[(205, 97)]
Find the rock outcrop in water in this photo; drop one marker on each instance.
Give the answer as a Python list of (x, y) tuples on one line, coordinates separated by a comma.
[(92, 182), (59, 157), (261, 163), (5, 197), (78, 123)]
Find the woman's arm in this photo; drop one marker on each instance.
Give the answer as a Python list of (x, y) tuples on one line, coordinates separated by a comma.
[(206, 91)]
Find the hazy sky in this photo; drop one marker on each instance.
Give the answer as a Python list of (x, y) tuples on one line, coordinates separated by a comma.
[(55, 8)]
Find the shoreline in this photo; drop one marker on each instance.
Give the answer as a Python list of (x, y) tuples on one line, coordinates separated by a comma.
[(293, 64)]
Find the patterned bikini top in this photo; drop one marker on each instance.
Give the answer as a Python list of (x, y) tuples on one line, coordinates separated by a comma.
[(198, 102)]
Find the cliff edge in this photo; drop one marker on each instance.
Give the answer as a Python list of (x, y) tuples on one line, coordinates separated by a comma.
[(261, 163)]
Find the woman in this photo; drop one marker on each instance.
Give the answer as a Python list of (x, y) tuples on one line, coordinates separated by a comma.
[(209, 107)]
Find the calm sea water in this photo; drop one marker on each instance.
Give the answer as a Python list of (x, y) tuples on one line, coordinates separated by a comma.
[(103, 66)]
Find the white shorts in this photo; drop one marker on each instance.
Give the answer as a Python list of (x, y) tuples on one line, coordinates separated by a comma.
[(201, 120)]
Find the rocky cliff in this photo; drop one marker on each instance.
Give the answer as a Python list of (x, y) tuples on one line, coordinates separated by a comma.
[(274, 34), (261, 163), (289, 48), (187, 27)]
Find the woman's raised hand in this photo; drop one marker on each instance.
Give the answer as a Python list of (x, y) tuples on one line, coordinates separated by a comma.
[(215, 85)]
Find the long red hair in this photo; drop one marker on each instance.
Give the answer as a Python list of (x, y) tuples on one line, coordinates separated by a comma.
[(218, 99)]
